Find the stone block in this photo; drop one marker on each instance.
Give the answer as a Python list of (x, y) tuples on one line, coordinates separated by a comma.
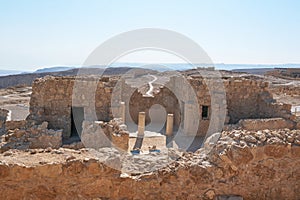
[(261, 124)]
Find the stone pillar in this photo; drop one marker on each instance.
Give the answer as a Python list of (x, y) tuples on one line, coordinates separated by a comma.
[(123, 112), (188, 110), (141, 131), (169, 127), (169, 130), (141, 123)]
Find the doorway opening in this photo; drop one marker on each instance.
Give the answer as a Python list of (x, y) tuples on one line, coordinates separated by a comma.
[(77, 117)]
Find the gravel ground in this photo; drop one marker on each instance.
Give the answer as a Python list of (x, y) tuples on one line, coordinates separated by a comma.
[(16, 99)]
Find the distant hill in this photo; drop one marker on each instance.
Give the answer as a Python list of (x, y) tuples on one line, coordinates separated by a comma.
[(28, 78), (10, 78)]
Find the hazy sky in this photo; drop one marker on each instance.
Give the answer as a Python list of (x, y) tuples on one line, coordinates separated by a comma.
[(38, 33)]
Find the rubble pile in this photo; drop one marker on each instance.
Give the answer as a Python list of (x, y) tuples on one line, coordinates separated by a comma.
[(99, 134), (37, 136)]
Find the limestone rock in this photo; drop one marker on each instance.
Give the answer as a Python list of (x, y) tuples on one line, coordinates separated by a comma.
[(240, 155), (250, 138)]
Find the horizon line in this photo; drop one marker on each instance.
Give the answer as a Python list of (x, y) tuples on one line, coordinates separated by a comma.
[(168, 63)]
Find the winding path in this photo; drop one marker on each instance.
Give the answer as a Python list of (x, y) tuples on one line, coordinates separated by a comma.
[(150, 91)]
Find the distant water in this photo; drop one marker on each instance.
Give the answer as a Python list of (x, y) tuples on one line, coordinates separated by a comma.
[(162, 67), (185, 66), (9, 72)]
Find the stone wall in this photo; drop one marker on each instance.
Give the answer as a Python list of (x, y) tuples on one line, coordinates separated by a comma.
[(3, 116), (251, 99), (253, 165), (243, 98), (262, 124), (12, 125), (37, 136), (99, 134), (285, 89), (52, 101), (210, 93)]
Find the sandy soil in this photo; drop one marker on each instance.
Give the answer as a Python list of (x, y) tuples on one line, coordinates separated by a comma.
[(16, 99), (159, 142), (43, 156)]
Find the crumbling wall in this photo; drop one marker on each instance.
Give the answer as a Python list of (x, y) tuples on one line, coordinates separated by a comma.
[(12, 125), (52, 100), (37, 136), (3, 116), (251, 99), (99, 134), (274, 109), (270, 123), (285, 89), (251, 164), (245, 99)]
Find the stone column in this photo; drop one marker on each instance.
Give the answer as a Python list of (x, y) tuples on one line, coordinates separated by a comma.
[(141, 131), (188, 110), (123, 112), (141, 123), (169, 127), (169, 130)]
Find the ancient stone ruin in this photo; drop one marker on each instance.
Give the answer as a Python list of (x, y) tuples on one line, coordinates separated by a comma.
[(245, 99), (76, 143)]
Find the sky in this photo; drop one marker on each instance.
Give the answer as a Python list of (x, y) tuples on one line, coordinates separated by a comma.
[(40, 33)]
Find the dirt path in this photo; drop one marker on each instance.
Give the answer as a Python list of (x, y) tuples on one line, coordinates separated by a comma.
[(150, 91), (16, 100)]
